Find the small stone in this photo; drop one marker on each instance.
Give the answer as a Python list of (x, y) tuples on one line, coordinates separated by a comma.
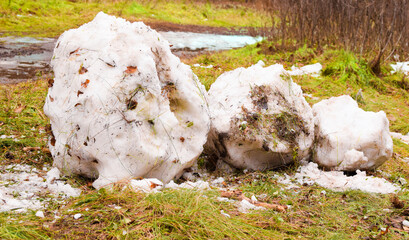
[(405, 223), (77, 216)]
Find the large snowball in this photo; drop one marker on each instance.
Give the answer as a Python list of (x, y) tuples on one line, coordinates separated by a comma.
[(122, 105), (260, 118), (348, 138)]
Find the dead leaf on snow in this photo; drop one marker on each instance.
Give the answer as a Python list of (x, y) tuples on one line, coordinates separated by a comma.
[(85, 84), (82, 70), (131, 69)]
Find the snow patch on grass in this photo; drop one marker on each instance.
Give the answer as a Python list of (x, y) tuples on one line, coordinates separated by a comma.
[(24, 187), (338, 181)]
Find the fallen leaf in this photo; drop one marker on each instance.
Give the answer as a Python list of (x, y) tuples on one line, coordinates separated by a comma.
[(79, 93), (85, 84), (19, 109), (52, 140), (131, 69), (51, 99), (153, 185), (26, 149), (82, 70), (75, 51), (50, 82)]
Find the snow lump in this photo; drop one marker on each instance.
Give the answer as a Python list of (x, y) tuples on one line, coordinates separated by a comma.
[(122, 105), (260, 118), (348, 138)]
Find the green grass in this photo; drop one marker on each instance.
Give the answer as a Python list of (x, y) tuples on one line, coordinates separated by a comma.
[(51, 17)]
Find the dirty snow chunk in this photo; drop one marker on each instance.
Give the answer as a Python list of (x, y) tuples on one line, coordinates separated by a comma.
[(40, 214), (146, 185), (122, 105), (312, 69), (348, 138), (244, 206), (400, 136), (400, 67), (337, 181), (200, 185), (260, 118)]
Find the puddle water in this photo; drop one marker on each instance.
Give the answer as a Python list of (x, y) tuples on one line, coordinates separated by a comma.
[(26, 58)]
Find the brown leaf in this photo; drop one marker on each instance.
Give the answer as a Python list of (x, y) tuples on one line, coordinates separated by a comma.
[(26, 149), (85, 84), (52, 140), (50, 82), (153, 185), (51, 98), (75, 51), (79, 93), (182, 139), (131, 69), (82, 70), (19, 109)]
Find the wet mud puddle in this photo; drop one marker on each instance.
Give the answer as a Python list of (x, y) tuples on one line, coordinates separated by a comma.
[(25, 58)]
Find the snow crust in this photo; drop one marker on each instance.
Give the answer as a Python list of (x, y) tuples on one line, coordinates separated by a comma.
[(260, 118), (23, 187), (338, 181), (348, 138), (122, 105)]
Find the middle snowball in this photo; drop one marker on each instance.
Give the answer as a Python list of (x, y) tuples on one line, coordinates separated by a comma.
[(260, 118)]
